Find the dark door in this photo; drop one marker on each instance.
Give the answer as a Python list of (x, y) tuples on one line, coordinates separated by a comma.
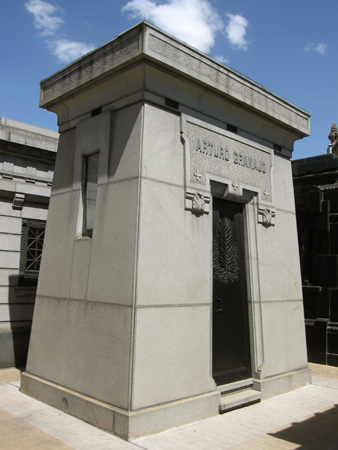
[(231, 346)]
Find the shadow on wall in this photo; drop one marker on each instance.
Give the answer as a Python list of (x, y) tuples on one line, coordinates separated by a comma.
[(319, 431), (21, 300)]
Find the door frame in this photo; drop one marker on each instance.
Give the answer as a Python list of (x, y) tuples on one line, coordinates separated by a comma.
[(249, 199), (239, 301)]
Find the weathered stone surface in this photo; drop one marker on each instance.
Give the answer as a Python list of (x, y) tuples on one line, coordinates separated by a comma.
[(174, 129)]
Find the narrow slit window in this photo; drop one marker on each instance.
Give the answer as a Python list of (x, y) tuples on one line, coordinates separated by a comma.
[(89, 193), (172, 103), (232, 128)]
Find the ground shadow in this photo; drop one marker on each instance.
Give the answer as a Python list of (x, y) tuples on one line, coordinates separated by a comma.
[(317, 432), (21, 301)]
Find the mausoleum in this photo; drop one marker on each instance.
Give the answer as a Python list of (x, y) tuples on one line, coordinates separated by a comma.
[(27, 158), (170, 284), (316, 198)]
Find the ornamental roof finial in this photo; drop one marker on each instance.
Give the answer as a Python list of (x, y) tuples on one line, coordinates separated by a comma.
[(333, 137)]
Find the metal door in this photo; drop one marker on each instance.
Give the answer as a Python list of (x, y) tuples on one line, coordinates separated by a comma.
[(231, 345)]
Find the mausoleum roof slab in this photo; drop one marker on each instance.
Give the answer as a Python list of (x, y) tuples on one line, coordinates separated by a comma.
[(144, 42)]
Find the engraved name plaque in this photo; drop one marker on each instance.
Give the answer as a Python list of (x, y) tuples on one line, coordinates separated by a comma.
[(214, 154)]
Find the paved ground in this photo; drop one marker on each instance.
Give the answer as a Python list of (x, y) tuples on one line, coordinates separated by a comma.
[(303, 419)]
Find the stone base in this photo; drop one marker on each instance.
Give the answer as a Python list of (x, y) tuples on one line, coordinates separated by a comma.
[(283, 383), (125, 424)]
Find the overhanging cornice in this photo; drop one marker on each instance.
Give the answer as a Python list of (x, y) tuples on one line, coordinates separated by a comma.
[(146, 42)]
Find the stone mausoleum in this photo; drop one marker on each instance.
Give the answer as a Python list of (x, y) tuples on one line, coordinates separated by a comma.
[(27, 158), (316, 197), (170, 284)]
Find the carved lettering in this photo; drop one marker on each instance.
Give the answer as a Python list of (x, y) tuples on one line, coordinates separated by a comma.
[(208, 148), (250, 163), (198, 146), (241, 159), (212, 155)]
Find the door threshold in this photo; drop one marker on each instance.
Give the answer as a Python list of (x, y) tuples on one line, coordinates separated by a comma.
[(235, 386), (237, 395), (239, 399)]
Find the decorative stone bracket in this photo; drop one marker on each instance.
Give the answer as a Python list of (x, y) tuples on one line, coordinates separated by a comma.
[(197, 203), (18, 201), (266, 216)]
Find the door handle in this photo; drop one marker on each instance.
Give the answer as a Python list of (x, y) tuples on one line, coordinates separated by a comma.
[(219, 305)]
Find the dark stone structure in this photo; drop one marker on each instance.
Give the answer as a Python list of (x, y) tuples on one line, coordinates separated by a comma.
[(316, 195)]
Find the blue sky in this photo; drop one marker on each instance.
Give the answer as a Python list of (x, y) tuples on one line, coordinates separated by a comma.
[(288, 46)]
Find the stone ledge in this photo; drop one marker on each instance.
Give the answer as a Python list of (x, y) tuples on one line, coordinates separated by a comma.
[(280, 384), (28, 135)]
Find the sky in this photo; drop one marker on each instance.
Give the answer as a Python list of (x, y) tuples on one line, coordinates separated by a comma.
[(288, 46)]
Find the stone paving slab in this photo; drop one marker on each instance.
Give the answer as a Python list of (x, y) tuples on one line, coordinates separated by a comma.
[(29, 437), (306, 418), (246, 424), (34, 425)]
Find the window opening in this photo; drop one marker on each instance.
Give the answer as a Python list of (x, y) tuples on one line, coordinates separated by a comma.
[(32, 238), (172, 103), (96, 112), (231, 128), (89, 193)]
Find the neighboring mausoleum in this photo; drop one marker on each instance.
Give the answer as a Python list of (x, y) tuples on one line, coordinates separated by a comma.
[(316, 192), (170, 285), (27, 158)]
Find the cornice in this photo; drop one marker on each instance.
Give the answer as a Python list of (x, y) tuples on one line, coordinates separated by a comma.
[(146, 42)]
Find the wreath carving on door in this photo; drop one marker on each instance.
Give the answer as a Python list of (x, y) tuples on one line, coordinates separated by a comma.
[(225, 257)]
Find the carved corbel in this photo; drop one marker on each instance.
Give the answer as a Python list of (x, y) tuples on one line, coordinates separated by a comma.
[(18, 201), (197, 203), (266, 216)]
